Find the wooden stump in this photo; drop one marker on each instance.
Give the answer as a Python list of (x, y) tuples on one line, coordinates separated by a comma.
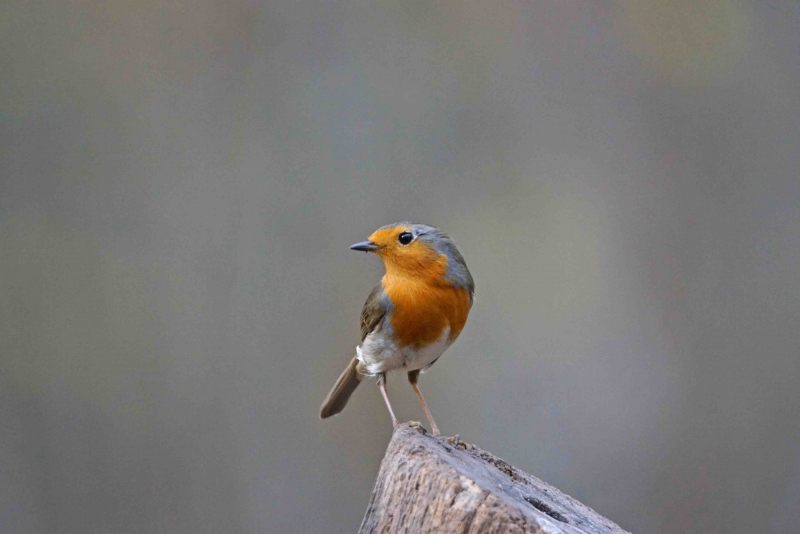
[(435, 485)]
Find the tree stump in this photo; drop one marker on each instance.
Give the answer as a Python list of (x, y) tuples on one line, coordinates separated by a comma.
[(438, 485)]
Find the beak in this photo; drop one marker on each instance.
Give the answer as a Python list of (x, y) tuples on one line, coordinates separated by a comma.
[(366, 246)]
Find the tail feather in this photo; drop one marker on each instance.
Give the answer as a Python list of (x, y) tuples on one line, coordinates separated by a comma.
[(344, 387)]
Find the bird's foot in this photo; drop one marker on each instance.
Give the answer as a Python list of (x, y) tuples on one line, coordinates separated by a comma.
[(456, 442), (418, 426)]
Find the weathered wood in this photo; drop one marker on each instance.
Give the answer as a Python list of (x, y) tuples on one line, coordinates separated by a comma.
[(435, 485)]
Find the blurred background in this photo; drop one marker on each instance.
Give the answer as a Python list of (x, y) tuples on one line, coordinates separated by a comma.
[(180, 182)]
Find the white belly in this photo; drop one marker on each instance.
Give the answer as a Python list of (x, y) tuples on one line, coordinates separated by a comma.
[(381, 354)]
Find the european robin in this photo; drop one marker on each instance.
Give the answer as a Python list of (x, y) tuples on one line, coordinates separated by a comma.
[(412, 316)]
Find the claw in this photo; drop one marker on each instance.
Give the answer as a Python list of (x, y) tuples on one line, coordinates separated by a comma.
[(455, 440), (417, 425)]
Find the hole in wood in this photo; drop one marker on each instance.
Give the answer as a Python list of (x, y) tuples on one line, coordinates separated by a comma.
[(544, 507)]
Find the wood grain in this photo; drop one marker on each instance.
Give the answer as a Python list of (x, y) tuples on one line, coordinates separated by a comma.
[(434, 485)]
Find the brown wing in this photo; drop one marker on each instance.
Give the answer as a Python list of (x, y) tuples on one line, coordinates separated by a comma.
[(374, 310)]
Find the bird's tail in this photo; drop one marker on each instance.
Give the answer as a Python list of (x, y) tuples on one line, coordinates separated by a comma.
[(344, 387)]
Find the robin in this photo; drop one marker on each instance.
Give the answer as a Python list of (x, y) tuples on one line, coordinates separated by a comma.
[(412, 316)]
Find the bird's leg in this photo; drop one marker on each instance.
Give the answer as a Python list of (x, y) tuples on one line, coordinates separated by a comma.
[(412, 379), (382, 385)]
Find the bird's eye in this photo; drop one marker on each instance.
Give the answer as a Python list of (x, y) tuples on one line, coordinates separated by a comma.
[(405, 238)]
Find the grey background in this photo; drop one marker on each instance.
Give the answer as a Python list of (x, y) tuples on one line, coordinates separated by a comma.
[(181, 182)]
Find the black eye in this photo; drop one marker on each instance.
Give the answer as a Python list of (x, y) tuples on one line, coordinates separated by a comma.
[(405, 238)]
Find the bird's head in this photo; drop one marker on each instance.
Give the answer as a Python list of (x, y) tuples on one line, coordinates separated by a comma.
[(418, 250)]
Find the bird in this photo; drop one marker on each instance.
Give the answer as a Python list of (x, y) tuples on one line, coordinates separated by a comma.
[(412, 316)]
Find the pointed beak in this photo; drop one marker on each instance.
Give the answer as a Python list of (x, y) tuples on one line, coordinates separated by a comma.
[(366, 246)]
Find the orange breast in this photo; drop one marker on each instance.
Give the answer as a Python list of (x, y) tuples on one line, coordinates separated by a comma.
[(422, 309)]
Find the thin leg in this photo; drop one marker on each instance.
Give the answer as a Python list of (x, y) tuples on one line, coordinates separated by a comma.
[(412, 378), (382, 385)]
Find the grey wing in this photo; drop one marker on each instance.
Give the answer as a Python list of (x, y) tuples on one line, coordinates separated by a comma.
[(375, 309)]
